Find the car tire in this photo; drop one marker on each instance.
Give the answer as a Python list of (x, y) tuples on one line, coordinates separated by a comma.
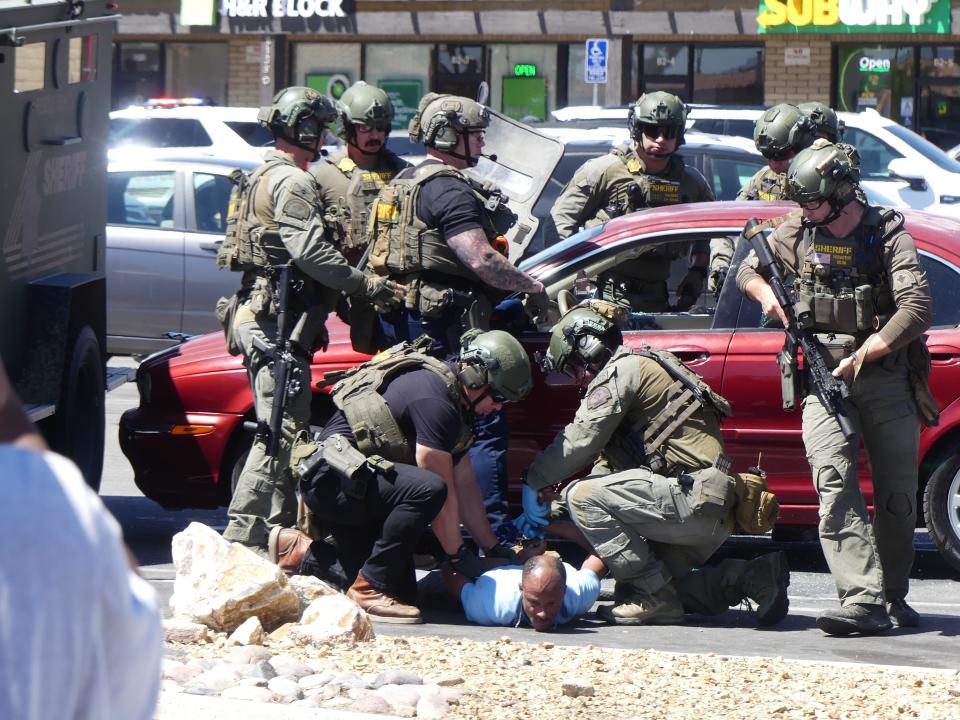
[(941, 508), (77, 428)]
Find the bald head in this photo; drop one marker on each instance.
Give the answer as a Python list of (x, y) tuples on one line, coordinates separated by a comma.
[(542, 585)]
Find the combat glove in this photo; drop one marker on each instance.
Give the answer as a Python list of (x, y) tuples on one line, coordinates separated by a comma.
[(385, 294), (539, 307), (466, 563)]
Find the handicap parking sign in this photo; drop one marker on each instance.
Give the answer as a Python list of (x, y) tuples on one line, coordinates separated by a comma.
[(595, 63)]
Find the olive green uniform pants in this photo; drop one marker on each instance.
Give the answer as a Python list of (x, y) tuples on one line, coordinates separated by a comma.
[(650, 530), (265, 495), (868, 564)]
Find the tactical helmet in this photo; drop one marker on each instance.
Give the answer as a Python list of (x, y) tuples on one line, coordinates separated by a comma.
[(497, 359), (582, 332), (299, 109), (657, 109), (822, 172), (441, 119), (364, 105), (825, 120), (781, 131)]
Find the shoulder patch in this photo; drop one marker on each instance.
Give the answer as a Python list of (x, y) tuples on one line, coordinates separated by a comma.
[(297, 208), (598, 397), (903, 279)]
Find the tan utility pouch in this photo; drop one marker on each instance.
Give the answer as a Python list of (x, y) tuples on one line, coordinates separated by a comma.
[(787, 360), (835, 347), (757, 509)]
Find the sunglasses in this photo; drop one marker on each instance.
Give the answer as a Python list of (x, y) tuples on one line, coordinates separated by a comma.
[(669, 132), (788, 154), (496, 396)]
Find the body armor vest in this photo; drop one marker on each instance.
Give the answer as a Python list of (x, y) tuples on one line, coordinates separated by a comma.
[(647, 190), (376, 431), (252, 239), (843, 287), (767, 185), (643, 441), (363, 187)]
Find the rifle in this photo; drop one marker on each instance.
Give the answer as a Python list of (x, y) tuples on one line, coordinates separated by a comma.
[(282, 365), (831, 391)]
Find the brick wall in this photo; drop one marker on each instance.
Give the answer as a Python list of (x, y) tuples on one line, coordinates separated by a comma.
[(797, 83), (243, 81)]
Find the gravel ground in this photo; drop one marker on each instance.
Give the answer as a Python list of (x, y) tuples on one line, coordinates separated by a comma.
[(507, 680)]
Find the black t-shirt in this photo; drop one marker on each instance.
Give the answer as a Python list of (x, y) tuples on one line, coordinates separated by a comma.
[(422, 407), (449, 205)]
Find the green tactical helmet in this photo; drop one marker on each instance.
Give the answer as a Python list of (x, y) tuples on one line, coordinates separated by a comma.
[(826, 122), (497, 359), (440, 119), (582, 332), (657, 108), (822, 172), (364, 105), (300, 109), (781, 131)]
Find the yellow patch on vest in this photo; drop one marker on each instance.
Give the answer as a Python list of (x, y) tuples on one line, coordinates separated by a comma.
[(836, 255), (633, 165), (346, 164), (388, 212)]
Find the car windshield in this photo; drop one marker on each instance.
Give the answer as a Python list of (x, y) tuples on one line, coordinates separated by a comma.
[(926, 148), (253, 133), (560, 247)]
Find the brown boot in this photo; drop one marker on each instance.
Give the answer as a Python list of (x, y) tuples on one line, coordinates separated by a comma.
[(661, 608), (286, 548), (381, 607)]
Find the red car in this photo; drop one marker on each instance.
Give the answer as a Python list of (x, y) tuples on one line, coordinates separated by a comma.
[(186, 439)]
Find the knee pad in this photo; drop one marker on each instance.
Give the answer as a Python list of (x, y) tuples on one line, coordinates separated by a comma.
[(899, 505)]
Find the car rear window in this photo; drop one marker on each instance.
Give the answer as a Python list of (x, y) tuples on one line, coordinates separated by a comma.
[(253, 133), (926, 148), (141, 198), (875, 155), (158, 132)]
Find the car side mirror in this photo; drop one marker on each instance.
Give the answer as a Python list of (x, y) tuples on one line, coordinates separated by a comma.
[(901, 169)]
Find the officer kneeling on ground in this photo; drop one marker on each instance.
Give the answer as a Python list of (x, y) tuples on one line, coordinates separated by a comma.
[(393, 459), (659, 501)]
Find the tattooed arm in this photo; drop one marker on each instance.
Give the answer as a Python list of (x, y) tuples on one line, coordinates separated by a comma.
[(473, 250)]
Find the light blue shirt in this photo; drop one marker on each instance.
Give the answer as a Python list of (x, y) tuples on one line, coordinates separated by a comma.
[(494, 598)]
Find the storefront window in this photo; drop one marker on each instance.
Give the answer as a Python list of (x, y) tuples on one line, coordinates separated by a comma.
[(197, 70), (403, 71), (327, 67), (580, 92), (876, 77), (704, 74), (728, 75), (138, 73), (459, 69), (523, 80), (938, 117)]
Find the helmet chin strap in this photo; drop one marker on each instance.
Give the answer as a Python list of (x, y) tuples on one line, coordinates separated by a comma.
[(315, 151), (466, 157), (835, 212)]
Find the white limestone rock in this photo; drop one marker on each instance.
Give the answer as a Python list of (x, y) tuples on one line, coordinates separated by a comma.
[(332, 619), (250, 632)]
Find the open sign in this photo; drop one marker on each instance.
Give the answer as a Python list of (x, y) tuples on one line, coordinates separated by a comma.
[(879, 65)]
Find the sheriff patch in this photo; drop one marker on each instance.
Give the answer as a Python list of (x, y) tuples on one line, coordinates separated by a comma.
[(830, 254)]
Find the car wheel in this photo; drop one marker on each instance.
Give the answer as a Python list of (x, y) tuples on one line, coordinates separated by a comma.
[(941, 508), (77, 428)]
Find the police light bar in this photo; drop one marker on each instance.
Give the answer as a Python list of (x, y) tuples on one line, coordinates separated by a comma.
[(173, 102)]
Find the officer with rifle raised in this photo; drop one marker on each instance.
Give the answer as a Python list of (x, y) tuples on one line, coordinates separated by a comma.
[(857, 304), (292, 278)]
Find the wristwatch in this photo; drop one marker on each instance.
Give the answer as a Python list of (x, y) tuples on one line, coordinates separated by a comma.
[(853, 357)]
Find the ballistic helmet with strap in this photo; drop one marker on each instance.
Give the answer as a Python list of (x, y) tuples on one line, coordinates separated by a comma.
[(441, 119), (496, 359), (822, 172), (782, 131), (298, 115), (658, 109), (826, 123), (587, 335), (363, 105)]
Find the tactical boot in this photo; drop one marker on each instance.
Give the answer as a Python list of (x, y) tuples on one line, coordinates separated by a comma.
[(902, 614), (661, 608), (380, 606), (863, 618), (286, 547), (765, 582)]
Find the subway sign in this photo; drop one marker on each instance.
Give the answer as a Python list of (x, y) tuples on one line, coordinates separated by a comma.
[(854, 16)]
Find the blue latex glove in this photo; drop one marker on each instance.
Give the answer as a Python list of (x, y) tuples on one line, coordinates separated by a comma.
[(535, 514)]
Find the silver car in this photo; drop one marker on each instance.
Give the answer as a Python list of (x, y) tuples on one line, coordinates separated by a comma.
[(165, 222)]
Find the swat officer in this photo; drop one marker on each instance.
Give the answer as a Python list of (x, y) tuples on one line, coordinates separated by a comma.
[(648, 174), (659, 500), (350, 180), (275, 223), (393, 459), (779, 134), (860, 286), (433, 230)]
